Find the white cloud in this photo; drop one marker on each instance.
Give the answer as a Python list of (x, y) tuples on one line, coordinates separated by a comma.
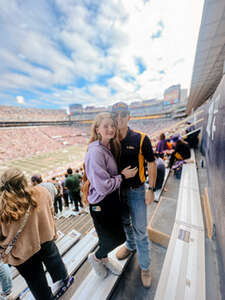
[(120, 85), (70, 40), (100, 92), (20, 99)]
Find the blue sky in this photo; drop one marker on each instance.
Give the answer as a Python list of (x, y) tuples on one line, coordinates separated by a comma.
[(54, 53)]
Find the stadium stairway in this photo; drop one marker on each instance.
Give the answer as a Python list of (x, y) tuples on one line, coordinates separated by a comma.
[(76, 240), (127, 286)]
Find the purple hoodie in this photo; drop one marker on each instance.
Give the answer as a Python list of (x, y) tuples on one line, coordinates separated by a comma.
[(102, 172), (161, 146)]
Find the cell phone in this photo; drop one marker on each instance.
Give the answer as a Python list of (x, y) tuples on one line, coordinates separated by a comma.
[(96, 208)]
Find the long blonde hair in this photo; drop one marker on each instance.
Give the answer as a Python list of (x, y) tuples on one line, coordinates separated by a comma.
[(15, 195), (115, 142), (114, 145)]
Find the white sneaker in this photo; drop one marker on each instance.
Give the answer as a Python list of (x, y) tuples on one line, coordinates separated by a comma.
[(113, 267), (6, 297), (75, 213), (56, 286), (98, 266)]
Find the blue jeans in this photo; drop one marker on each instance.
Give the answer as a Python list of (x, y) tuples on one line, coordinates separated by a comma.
[(5, 278), (135, 224)]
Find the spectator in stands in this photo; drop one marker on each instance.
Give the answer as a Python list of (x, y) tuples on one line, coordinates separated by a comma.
[(103, 195), (65, 192), (136, 149), (192, 136), (162, 145), (37, 179), (77, 171), (161, 169), (181, 150), (169, 144), (58, 197), (190, 127), (72, 183), (6, 282), (27, 225), (192, 139)]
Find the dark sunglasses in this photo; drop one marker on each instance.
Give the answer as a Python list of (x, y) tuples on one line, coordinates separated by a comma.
[(123, 114)]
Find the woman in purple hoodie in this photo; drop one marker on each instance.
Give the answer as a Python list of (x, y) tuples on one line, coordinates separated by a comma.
[(103, 196)]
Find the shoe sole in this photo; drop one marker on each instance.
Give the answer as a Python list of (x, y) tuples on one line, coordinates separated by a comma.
[(91, 263), (117, 273), (114, 273), (64, 288), (122, 258)]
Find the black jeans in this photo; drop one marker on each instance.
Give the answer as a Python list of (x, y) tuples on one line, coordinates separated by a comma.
[(33, 272), (66, 199), (106, 216), (58, 204), (75, 197)]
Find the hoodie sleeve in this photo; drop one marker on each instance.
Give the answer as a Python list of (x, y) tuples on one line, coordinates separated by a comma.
[(97, 173)]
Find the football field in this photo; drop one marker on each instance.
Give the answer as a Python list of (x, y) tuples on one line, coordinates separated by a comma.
[(50, 163)]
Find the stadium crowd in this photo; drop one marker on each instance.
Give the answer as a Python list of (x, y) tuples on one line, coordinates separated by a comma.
[(23, 142), (27, 141), (13, 114), (151, 126)]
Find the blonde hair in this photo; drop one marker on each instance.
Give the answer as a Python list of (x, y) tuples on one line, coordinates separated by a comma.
[(115, 149), (115, 142), (15, 196)]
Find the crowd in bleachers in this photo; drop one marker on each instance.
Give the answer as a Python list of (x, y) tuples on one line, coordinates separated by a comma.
[(13, 114), (23, 142), (151, 126)]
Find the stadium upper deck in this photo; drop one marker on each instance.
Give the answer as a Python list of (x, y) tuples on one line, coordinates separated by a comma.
[(158, 109), (15, 114), (210, 55)]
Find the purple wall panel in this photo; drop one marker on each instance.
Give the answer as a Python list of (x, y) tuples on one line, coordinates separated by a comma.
[(213, 145)]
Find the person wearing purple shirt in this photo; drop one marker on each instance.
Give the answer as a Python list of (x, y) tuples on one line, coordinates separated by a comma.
[(103, 195), (162, 145)]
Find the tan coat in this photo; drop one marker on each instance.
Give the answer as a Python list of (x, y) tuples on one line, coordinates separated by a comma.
[(40, 228)]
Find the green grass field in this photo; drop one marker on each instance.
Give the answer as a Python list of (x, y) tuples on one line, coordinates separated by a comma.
[(49, 163)]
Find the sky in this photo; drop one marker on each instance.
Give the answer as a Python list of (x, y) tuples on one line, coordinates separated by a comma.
[(58, 52)]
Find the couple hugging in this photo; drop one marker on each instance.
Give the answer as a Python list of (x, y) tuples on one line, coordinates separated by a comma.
[(115, 166)]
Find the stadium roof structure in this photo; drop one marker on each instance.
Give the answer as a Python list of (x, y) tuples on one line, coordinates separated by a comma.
[(210, 54)]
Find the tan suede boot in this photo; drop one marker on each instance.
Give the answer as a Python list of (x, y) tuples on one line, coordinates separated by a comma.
[(146, 278), (123, 253)]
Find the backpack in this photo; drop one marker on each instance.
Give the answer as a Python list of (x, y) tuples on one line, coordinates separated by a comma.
[(85, 187), (58, 188)]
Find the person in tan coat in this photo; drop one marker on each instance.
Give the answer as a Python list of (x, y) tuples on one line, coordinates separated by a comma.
[(35, 244)]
